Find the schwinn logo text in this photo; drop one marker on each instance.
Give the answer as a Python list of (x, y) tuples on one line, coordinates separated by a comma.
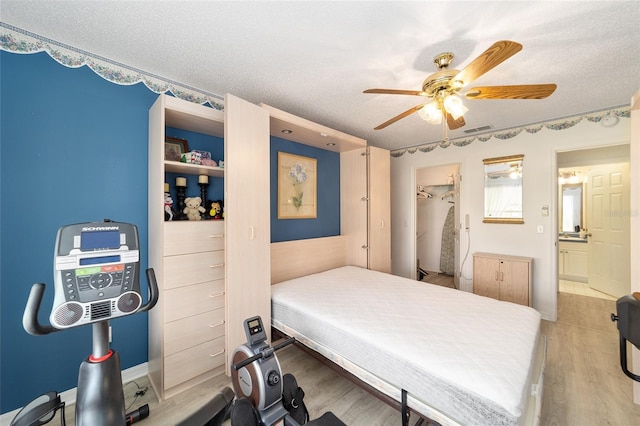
[(100, 228)]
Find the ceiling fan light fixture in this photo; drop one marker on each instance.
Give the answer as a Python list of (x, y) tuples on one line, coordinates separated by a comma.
[(454, 106), (431, 113)]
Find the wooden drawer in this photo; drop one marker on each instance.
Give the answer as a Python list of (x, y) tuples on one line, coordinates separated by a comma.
[(192, 300), (182, 237), (194, 330), (193, 362), (187, 269)]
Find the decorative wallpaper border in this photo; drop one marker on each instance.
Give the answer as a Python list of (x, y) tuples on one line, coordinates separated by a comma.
[(16, 40), (607, 118)]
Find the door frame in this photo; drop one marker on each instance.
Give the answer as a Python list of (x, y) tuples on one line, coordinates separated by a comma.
[(556, 199)]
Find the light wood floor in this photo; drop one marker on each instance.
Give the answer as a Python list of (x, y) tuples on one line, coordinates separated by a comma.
[(583, 386), (439, 279)]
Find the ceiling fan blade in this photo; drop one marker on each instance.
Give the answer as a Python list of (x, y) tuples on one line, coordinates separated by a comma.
[(399, 117), (523, 91), (396, 92), (453, 124), (499, 52)]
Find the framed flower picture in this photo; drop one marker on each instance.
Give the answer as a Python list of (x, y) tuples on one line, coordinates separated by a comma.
[(297, 186)]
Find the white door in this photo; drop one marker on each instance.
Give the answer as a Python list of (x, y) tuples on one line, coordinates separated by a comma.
[(379, 190), (608, 229), (247, 218), (354, 206)]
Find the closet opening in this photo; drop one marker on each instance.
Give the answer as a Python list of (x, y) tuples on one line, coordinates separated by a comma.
[(438, 225)]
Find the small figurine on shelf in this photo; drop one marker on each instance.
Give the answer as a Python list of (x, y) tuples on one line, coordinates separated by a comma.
[(169, 212), (193, 208), (215, 209)]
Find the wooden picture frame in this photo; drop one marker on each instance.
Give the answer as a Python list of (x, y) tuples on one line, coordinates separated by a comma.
[(174, 148), (297, 186)]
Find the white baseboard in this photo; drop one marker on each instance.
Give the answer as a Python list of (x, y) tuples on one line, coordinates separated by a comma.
[(69, 396)]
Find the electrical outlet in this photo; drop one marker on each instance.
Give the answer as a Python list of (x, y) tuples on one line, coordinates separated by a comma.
[(466, 222), (540, 229)]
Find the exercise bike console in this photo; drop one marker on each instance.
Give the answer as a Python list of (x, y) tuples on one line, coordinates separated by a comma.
[(96, 273)]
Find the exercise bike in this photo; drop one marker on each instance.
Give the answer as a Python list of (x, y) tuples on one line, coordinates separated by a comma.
[(258, 385), (628, 319), (96, 278)]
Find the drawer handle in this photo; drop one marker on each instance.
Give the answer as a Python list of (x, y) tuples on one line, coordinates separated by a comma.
[(216, 236), (216, 325), (216, 294), (217, 265), (216, 354)]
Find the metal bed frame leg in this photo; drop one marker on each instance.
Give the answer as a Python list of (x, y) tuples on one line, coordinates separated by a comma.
[(405, 409), (406, 413)]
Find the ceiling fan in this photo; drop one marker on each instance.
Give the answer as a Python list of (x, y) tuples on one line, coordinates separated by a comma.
[(442, 87)]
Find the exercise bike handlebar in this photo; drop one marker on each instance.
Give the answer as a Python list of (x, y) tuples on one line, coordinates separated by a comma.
[(30, 317), (265, 353), (153, 291)]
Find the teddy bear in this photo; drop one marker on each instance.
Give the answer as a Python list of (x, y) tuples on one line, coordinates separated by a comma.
[(193, 208), (169, 213)]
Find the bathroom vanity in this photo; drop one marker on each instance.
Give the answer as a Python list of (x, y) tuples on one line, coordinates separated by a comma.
[(572, 258)]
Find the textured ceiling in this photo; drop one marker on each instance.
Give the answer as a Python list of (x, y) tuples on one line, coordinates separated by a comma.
[(313, 59)]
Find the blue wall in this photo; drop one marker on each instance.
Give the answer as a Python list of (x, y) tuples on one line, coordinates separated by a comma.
[(73, 148)]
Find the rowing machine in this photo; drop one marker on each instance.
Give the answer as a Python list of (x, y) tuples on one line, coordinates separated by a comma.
[(257, 382)]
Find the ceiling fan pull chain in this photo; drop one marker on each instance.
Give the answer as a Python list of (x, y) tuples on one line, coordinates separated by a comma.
[(445, 136)]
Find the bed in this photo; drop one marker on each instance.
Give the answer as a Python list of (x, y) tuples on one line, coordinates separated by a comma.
[(463, 359)]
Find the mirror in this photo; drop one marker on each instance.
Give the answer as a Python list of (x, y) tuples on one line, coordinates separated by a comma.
[(503, 189), (571, 213)]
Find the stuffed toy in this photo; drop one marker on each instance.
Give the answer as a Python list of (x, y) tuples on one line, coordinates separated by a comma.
[(169, 213), (193, 208), (215, 209)]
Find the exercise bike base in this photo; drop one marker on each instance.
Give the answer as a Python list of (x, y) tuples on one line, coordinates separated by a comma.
[(94, 407)]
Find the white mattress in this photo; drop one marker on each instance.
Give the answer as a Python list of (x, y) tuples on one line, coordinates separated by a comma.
[(466, 357)]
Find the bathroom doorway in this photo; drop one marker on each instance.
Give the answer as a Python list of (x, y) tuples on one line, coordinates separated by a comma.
[(438, 224), (593, 251)]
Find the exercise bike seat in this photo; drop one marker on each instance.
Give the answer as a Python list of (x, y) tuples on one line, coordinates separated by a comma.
[(213, 412), (327, 419)]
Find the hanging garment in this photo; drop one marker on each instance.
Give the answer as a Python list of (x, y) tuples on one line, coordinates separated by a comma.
[(447, 250)]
